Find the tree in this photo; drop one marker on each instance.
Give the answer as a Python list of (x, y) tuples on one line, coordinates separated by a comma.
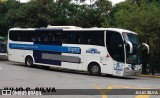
[(5, 7)]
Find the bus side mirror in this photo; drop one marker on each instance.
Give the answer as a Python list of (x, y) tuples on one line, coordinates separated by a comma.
[(146, 46), (130, 46)]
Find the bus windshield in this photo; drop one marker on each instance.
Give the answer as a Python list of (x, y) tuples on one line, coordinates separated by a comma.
[(132, 58), (131, 37)]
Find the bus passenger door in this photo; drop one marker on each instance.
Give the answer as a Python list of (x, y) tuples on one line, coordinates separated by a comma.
[(115, 47), (107, 65)]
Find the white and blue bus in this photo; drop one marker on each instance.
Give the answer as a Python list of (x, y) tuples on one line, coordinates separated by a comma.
[(96, 50)]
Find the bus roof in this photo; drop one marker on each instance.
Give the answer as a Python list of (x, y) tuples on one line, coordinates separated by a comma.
[(64, 27), (73, 28)]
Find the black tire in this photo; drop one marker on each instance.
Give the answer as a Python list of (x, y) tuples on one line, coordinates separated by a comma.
[(29, 61), (94, 69)]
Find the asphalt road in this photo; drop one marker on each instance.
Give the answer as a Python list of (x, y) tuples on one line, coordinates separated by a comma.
[(18, 75)]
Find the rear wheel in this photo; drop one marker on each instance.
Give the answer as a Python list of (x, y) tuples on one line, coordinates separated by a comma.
[(29, 61), (94, 69)]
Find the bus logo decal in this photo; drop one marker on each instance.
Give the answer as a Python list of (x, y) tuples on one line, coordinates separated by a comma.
[(74, 49), (92, 51), (118, 67)]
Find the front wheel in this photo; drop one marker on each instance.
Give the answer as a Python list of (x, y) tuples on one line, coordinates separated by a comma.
[(94, 69), (29, 61)]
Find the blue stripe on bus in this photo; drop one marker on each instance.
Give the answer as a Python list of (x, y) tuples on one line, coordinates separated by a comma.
[(54, 48)]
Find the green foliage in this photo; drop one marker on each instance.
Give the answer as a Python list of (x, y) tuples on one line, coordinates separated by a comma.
[(5, 7), (40, 13)]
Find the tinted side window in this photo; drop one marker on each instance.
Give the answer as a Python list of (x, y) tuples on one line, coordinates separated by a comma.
[(48, 37), (73, 37), (83, 37), (18, 36), (115, 45), (26, 36), (12, 36), (65, 37)]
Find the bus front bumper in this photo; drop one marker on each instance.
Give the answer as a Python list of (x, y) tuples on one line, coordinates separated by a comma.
[(131, 72), (3, 54)]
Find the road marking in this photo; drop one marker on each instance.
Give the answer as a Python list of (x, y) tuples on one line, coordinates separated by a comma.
[(103, 93), (151, 76), (110, 87), (142, 96)]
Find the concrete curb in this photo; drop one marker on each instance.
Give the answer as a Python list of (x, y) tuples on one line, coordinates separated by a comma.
[(151, 76)]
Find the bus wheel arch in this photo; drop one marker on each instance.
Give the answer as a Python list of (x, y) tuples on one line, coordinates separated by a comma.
[(94, 68), (29, 61)]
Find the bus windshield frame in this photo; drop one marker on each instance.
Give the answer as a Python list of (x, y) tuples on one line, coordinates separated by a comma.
[(132, 58)]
